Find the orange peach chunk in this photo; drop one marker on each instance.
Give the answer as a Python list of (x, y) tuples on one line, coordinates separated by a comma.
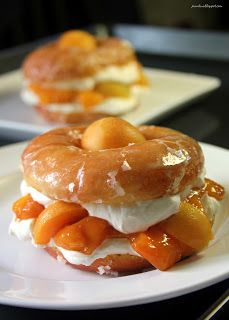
[(27, 208), (84, 236), (157, 247), (214, 189), (89, 99), (190, 225), (113, 89), (56, 216), (143, 80), (52, 95)]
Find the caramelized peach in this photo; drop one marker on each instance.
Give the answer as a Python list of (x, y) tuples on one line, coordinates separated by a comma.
[(113, 89), (52, 95), (77, 38), (89, 99), (27, 208), (110, 133), (143, 80), (84, 236), (56, 216), (190, 225), (214, 189), (157, 247)]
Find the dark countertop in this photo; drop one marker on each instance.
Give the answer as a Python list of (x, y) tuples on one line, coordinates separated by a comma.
[(206, 120)]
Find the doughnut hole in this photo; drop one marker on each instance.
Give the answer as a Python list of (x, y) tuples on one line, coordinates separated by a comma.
[(77, 38), (108, 133)]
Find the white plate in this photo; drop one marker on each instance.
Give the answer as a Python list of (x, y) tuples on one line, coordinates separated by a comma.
[(29, 277), (169, 91)]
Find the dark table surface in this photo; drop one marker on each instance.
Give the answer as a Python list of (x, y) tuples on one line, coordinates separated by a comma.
[(206, 120)]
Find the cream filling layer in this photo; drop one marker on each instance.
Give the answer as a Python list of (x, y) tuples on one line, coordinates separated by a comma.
[(137, 217), (22, 229), (126, 74), (143, 214), (128, 218), (112, 105), (108, 247), (36, 195)]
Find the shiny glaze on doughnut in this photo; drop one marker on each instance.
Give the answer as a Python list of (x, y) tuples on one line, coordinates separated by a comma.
[(56, 165), (54, 63)]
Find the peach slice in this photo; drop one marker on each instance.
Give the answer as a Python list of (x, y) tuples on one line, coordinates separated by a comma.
[(113, 89), (27, 208), (157, 247), (190, 225), (56, 216), (52, 95), (84, 236), (77, 38), (89, 99)]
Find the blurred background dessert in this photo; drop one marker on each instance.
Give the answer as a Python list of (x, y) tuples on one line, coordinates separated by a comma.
[(80, 78)]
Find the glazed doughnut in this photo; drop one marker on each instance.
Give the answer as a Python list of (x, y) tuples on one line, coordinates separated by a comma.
[(114, 198), (56, 165), (54, 63)]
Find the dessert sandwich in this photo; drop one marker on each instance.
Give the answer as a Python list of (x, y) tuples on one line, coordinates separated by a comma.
[(113, 198), (80, 78)]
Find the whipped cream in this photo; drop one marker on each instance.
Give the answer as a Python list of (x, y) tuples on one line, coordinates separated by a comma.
[(22, 229), (127, 73), (36, 195), (211, 206), (143, 214), (29, 97), (113, 106), (137, 217), (108, 247)]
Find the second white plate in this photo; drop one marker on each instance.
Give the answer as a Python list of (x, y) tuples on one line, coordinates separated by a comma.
[(169, 91)]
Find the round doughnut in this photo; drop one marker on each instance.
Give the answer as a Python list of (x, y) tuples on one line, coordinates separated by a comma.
[(56, 165), (83, 118), (53, 62), (121, 263)]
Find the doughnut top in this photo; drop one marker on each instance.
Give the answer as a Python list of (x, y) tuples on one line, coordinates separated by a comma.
[(59, 61), (163, 163)]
